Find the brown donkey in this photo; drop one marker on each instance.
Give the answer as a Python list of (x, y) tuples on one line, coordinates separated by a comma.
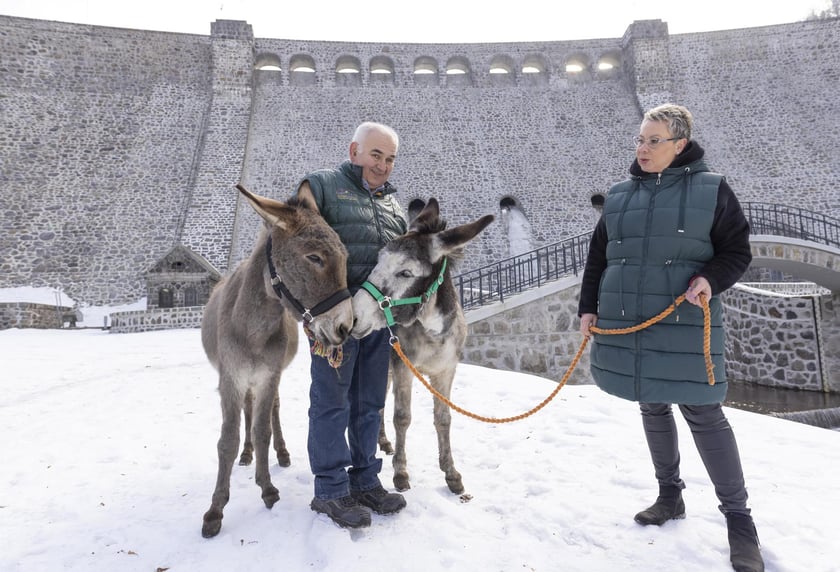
[(411, 292), (298, 270)]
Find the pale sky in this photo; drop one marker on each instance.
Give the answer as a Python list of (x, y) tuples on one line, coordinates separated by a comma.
[(427, 21)]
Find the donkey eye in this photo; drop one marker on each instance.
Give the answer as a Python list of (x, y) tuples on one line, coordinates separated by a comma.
[(314, 258), (405, 274)]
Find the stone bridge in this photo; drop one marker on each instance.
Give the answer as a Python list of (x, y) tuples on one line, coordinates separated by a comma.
[(776, 340), (807, 260)]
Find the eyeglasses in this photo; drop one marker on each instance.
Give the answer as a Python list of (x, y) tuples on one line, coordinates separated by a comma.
[(653, 142)]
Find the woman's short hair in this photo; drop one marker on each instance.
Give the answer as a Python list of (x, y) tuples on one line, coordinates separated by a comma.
[(677, 117)]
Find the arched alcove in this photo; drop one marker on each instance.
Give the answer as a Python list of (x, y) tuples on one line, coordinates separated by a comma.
[(426, 71), (502, 71), (516, 226), (348, 71), (608, 65), (534, 70), (267, 62), (302, 70), (381, 70), (577, 67), (458, 71), (268, 69)]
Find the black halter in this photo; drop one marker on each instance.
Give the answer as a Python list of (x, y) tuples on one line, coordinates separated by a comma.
[(281, 291)]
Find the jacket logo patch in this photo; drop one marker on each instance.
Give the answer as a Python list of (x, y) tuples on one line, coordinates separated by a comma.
[(345, 195)]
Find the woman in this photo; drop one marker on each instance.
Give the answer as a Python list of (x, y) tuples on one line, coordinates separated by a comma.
[(674, 227)]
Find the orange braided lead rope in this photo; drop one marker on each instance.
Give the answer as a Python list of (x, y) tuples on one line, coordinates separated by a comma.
[(707, 332)]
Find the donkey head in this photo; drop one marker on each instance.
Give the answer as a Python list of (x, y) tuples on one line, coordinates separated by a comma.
[(409, 268), (310, 262)]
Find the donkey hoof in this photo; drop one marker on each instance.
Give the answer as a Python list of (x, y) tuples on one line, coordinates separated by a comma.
[(283, 459), (245, 460), (270, 496), (455, 485), (212, 523), (387, 448), (401, 483)]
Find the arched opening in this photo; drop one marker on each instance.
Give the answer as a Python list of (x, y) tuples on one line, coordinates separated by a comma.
[(598, 200), (425, 71), (303, 69), (268, 62), (608, 65), (534, 70), (381, 69), (516, 226), (577, 64), (165, 298), (348, 71), (502, 71), (458, 71)]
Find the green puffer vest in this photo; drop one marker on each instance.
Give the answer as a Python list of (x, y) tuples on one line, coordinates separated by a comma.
[(658, 237), (365, 222)]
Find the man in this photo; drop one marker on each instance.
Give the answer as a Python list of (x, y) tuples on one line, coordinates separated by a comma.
[(358, 202)]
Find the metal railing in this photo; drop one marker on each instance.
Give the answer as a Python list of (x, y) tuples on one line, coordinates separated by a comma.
[(792, 222), (494, 282)]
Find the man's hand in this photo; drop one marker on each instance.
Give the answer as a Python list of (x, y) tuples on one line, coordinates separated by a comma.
[(587, 320), (699, 286)]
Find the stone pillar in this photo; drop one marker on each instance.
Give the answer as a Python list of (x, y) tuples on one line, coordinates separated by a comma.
[(647, 62), (210, 220)]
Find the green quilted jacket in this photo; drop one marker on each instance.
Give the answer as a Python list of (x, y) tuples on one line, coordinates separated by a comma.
[(364, 221), (658, 237)]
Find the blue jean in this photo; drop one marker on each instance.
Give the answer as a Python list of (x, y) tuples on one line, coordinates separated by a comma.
[(347, 400)]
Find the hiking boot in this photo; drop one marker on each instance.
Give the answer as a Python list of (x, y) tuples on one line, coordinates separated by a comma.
[(743, 543), (379, 500), (346, 512), (669, 505)]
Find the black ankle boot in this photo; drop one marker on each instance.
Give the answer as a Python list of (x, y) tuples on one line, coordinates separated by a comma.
[(669, 505), (743, 543)]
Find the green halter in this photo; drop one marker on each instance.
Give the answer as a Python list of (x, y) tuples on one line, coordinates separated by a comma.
[(385, 302)]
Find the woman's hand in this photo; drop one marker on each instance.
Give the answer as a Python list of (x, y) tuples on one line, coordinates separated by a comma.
[(697, 287), (587, 320)]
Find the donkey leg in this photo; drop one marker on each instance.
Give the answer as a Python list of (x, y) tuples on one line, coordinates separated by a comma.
[(227, 448), (443, 423), (402, 419), (384, 444), (263, 403), (248, 448), (283, 458)]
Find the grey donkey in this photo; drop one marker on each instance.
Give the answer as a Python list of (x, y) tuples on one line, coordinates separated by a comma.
[(413, 272), (297, 271)]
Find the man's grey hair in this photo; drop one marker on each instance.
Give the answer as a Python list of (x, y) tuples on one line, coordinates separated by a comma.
[(368, 126), (677, 117)]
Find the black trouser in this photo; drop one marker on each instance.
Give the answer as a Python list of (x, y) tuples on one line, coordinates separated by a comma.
[(715, 442)]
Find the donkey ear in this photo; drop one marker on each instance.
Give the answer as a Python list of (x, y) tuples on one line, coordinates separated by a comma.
[(450, 240), (427, 218), (274, 212), (414, 209)]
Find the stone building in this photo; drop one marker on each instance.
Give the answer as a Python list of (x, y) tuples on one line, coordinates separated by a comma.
[(180, 279), (117, 145)]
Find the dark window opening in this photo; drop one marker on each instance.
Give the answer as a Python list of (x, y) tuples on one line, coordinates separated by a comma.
[(165, 298)]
